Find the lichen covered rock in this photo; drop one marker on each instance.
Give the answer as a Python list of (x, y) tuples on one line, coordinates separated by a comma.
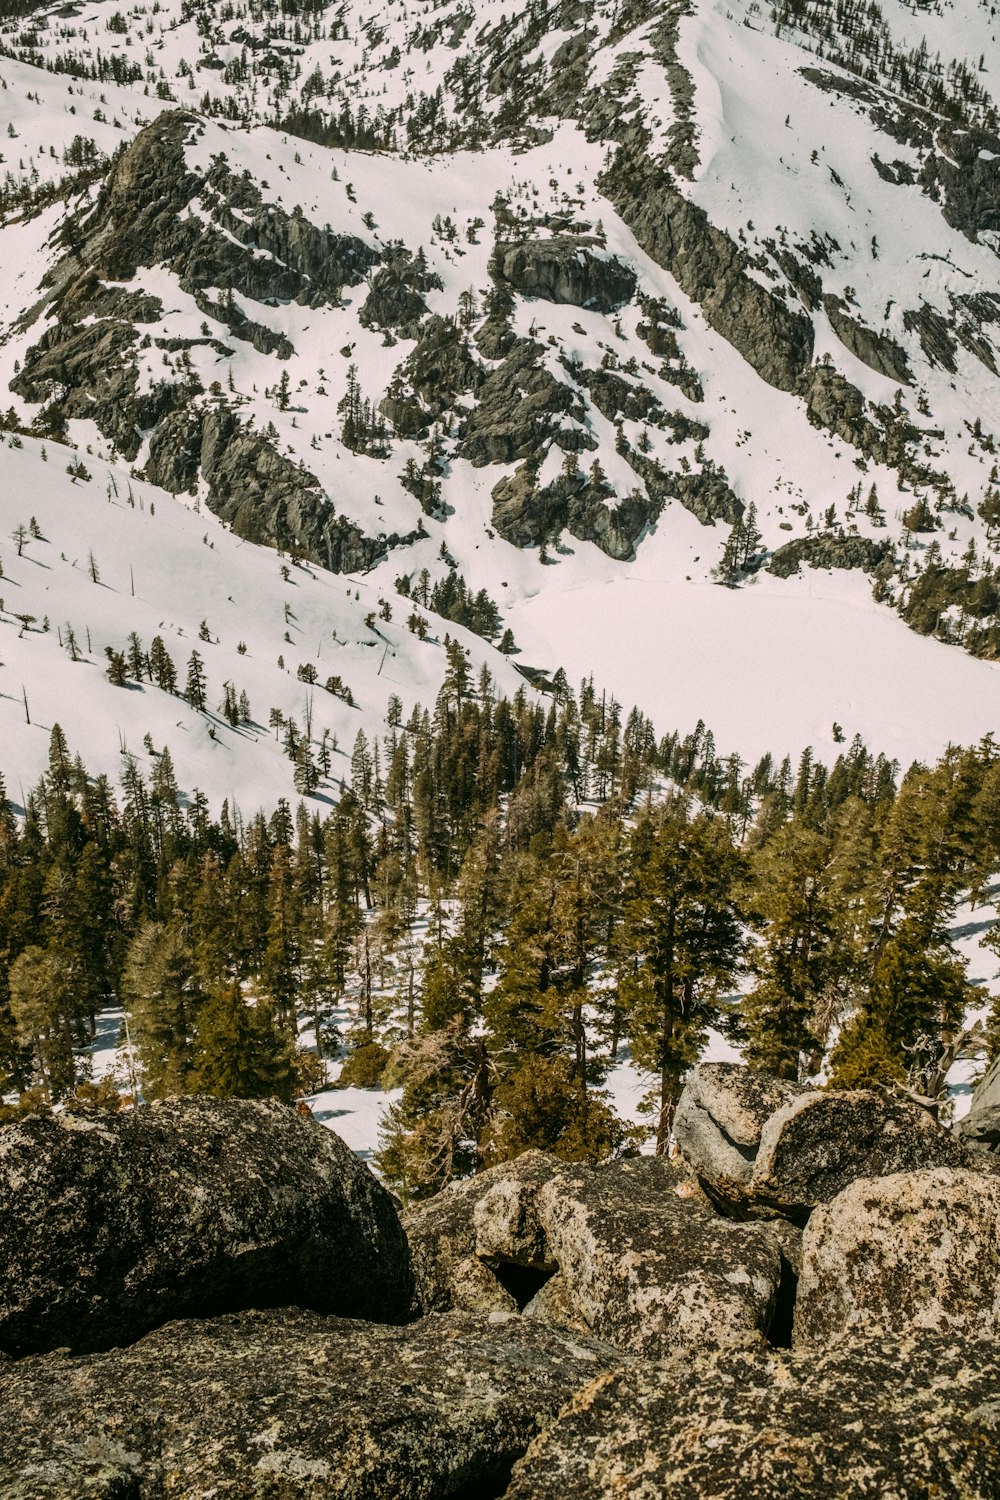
[(917, 1250), (187, 1207), (648, 1269), (289, 1404), (872, 1418), (818, 1144)]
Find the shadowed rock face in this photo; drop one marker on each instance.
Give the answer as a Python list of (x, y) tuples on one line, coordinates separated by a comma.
[(817, 1145), (565, 269), (290, 1404), (187, 1207), (913, 1419), (914, 1250)]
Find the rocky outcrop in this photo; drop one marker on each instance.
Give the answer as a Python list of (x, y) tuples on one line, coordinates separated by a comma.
[(718, 1123), (86, 364), (916, 1250), (528, 515), (760, 1145), (575, 270), (775, 339), (622, 1252), (290, 1404), (876, 350), (436, 373), (263, 495), (140, 219), (521, 408), (189, 1207), (963, 175), (395, 298), (826, 551), (907, 1419), (839, 407)]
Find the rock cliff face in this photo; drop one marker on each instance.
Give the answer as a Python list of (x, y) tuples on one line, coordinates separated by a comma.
[(564, 269), (86, 364), (772, 337), (595, 1332)]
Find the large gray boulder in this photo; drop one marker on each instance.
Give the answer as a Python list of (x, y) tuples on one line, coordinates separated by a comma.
[(479, 1244), (648, 1269), (623, 1252), (721, 1113), (289, 1405), (113, 1224), (917, 1250), (903, 1421), (762, 1146)]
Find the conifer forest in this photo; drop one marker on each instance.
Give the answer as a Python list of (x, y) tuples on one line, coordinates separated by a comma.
[(507, 895)]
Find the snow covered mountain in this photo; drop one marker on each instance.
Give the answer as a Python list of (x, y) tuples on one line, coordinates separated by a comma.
[(674, 331)]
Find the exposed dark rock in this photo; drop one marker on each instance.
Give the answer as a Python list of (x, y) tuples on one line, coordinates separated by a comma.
[(139, 220), (521, 407), (909, 1419), (575, 502), (617, 398), (934, 332), (762, 1145), (438, 371), (832, 402), (290, 1404), (263, 495), (396, 297), (826, 551), (194, 1206), (709, 267), (89, 372), (917, 1250), (706, 492), (564, 269), (876, 350), (963, 175)]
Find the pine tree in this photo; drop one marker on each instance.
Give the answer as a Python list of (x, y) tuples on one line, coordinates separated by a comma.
[(164, 997), (194, 690), (240, 1052), (682, 931)]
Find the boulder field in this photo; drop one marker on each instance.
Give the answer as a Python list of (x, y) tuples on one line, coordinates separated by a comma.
[(210, 1297)]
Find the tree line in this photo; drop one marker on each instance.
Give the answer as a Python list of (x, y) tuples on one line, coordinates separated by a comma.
[(508, 894)]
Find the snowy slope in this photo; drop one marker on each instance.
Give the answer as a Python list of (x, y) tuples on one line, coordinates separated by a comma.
[(471, 109), (163, 569)]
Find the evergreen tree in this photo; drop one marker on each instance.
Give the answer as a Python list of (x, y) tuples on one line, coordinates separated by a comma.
[(161, 989), (682, 932), (194, 690)]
